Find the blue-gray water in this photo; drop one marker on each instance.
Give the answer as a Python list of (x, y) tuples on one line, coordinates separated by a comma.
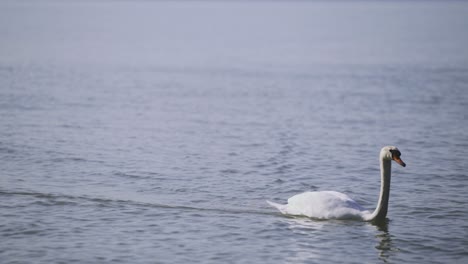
[(154, 131)]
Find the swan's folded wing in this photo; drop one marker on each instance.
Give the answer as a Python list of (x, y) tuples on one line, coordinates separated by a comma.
[(324, 205)]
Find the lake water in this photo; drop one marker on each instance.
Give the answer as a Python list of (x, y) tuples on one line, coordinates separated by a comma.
[(154, 131)]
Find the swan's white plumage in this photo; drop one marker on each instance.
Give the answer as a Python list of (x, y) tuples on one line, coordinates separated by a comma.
[(335, 205), (323, 205)]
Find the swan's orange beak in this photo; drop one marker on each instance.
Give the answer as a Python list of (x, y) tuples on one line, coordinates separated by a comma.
[(399, 161)]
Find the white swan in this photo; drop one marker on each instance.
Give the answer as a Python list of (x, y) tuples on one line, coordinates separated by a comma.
[(335, 205)]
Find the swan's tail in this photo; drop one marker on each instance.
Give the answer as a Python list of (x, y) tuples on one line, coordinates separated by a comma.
[(280, 207)]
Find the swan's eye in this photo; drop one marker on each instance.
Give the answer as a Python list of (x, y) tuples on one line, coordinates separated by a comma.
[(395, 153)]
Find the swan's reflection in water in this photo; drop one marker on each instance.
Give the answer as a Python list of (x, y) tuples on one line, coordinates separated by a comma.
[(302, 247), (318, 241), (386, 246)]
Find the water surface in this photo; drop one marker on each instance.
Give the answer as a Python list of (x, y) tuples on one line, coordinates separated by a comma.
[(154, 131)]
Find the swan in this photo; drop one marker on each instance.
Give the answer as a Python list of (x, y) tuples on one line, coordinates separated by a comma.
[(336, 205)]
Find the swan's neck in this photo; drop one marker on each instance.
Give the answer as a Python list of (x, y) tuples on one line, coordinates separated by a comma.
[(382, 206)]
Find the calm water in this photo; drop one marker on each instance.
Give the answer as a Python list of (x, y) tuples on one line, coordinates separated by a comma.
[(153, 132)]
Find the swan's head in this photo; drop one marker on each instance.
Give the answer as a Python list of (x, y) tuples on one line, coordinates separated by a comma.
[(392, 153)]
